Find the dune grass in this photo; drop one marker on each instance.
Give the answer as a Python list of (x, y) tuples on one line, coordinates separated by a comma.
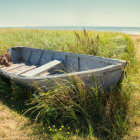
[(83, 116)]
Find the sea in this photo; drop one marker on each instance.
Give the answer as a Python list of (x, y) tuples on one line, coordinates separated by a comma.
[(127, 30)]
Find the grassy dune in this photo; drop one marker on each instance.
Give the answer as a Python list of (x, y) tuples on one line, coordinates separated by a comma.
[(111, 116)]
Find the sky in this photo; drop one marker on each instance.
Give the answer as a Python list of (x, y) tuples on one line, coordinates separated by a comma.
[(18, 13)]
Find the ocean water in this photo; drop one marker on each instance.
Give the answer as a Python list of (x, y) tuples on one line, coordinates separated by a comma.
[(127, 30)]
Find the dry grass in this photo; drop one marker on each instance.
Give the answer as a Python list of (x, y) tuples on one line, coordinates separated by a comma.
[(13, 125)]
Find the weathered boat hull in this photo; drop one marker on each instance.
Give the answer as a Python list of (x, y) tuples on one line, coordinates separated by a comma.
[(107, 72)]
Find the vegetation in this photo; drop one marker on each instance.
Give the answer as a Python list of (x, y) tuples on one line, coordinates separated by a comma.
[(70, 109)]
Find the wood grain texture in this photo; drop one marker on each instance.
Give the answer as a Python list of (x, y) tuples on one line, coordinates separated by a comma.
[(41, 69)]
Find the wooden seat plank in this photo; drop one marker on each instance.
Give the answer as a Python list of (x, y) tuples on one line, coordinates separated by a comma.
[(44, 68)]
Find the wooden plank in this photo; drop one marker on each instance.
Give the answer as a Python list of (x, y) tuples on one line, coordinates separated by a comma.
[(44, 68), (26, 70), (22, 69), (5, 67), (15, 66), (16, 70)]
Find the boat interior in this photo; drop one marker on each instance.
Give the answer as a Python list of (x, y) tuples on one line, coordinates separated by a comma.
[(37, 62)]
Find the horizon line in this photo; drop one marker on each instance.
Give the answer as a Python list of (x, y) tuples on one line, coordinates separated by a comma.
[(68, 26)]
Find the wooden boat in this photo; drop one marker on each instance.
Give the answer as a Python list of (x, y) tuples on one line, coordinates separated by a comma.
[(30, 66)]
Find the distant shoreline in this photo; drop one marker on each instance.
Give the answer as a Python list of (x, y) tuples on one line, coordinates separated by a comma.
[(127, 30)]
